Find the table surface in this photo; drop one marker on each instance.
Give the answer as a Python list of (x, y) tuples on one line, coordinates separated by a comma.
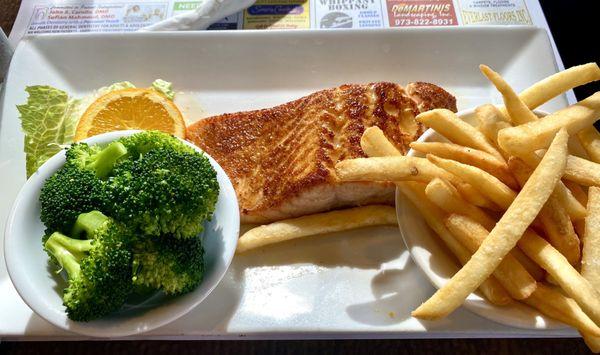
[(560, 16)]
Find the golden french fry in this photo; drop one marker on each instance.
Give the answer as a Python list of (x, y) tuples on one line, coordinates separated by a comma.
[(576, 190), (579, 228), (579, 170), (518, 112), (554, 218), (403, 168), (551, 280), (592, 342), (590, 261), (560, 230), (532, 268), (434, 217), (445, 196), (590, 141), (582, 171), (526, 138), (510, 273), (449, 125), (504, 236), (486, 183), (470, 156), (554, 304), (574, 209), (375, 144), (491, 121), (319, 223), (400, 168), (473, 196), (554, 85), (581, 290)]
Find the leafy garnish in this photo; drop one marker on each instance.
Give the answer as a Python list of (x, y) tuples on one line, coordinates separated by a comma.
[(48, 121), (164, 87)]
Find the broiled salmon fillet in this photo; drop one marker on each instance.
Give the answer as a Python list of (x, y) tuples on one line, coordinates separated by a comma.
[(281, 160)]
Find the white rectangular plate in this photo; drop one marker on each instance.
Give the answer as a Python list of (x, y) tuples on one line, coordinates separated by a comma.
[(355, 284)]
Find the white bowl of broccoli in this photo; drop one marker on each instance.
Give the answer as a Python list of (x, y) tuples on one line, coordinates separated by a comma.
[(122, 234)]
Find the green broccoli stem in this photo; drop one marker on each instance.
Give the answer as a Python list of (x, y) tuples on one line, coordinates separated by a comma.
[(105, 160), (68, 252), (88, 223)]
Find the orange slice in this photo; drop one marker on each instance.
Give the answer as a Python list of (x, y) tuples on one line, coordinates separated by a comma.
[(144, 109)]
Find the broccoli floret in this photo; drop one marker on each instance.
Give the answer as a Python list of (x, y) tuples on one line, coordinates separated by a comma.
[(98, 268), (175, 266), (99, 160), (141, 143), (77, 187), (68, 193), (165, 191)]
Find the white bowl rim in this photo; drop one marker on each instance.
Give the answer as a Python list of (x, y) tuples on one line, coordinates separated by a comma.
[(88, 328), (471, 302)]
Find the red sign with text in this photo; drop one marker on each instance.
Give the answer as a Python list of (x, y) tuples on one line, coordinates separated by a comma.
[(403, 13)]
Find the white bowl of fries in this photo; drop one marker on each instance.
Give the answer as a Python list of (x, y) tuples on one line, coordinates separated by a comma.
[(513, 195)]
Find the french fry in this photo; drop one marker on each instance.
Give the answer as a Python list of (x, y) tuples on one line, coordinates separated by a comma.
[(375, 144), (504, 236), (590, 260), (449, 125), (445, 196), (578, 288), (510, 273), (576, 190), (434, 217), (491, 121), (582, 171), (579, 170), (470, 156), (532, 268), (592, 342), (590, 141), (403, 168), (319, 223), (553, 217), (560, 230), (579, 228), (554, 85), (574, 208), (518, 112), (486, 183), (400, 168), (554, 304), (526, 138), (473, 196)]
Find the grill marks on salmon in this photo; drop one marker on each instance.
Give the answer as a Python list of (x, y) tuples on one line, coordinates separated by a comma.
[(281, 160)]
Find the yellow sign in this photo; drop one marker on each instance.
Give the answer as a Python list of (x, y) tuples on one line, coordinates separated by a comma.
[(277, 14)]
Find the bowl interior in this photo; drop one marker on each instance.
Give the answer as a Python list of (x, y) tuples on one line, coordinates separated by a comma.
[(439, 266), (41, 288)]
